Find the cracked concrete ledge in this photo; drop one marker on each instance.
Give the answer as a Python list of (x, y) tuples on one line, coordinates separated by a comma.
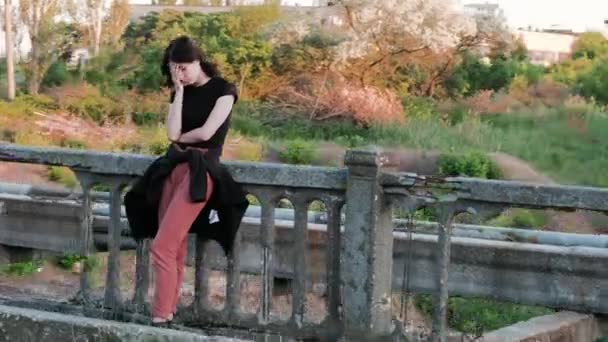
[(27, 325), (563, 326)]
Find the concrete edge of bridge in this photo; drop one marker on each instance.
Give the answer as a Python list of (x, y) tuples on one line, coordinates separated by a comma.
[(561, 326), (28, 325)]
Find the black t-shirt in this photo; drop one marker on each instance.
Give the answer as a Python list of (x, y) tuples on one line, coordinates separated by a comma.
[(198, 102)]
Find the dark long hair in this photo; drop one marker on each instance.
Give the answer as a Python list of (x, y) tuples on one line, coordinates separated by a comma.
[(184, 50)]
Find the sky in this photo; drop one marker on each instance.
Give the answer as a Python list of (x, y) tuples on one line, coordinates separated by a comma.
[(579, 15)]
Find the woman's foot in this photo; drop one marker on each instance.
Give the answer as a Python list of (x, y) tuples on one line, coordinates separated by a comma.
[(162, 322)]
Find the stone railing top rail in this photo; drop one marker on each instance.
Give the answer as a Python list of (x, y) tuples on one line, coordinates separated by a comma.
[(127, 164), (433, 188)]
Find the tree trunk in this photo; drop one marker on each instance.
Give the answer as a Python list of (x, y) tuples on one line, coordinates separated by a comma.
[(10, 66), (34, 71), (430, 90), (244, 74), (97, 26)]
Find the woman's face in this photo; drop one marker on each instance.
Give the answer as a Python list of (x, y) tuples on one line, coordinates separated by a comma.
[(190, 72)]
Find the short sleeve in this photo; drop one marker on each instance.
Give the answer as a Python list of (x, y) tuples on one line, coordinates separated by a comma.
[(227, 88)]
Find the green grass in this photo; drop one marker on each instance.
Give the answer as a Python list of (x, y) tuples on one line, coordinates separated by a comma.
[(549, 142), (553, 146), (476, 316), (22, 268)]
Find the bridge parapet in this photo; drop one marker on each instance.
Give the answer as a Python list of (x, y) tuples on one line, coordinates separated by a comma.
[(363, 256)]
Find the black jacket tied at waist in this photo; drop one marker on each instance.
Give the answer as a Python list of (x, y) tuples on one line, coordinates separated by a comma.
[(227, 199)]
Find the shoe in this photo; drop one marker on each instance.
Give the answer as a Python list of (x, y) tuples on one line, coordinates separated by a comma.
[(164, 324)]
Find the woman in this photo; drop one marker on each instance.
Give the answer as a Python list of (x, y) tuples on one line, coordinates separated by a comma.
[(178, 190)]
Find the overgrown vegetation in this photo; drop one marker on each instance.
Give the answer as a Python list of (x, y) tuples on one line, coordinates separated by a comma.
[(23, 268), (68, 261), (476, 316), (297, 152), (474, 164)]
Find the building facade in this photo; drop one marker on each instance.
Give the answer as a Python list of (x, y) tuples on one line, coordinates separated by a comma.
[(547, 48)]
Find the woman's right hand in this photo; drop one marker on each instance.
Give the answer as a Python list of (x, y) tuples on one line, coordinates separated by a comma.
[(176, 76)]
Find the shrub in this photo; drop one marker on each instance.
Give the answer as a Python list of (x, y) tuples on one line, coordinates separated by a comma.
[(253, 200), (548, 92), (86, 101), (425, 214), (73, 143), (297, 152), (145, 118), (68, 260), (474, 164), (488, 102), (519, 86), (352, 140), (249, 151), (25, 105), (8, 135), (145, 109), (158, 143), (62, 175), (23, 268), (419, 107), (595, 83), (578, 105), (456, 114), (131, 147), (56, 75), (339, 99), (521, 218), (29, 138), (39, 101)]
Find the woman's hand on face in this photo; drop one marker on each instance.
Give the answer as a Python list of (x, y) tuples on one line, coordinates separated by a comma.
[(176, 75)]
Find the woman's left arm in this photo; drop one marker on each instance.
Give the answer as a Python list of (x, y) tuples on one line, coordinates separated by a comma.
[(217, 117)]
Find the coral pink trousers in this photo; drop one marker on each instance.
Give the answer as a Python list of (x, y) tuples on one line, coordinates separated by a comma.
[(168, 252)]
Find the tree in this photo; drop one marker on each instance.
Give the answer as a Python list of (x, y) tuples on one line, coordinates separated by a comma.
[(594, 83), (48, 38), (386, 34), (116, 22), (569, 71), (240, 55), (252, 19), (96, 13), (590, 45), (91, 14), (10, 64)]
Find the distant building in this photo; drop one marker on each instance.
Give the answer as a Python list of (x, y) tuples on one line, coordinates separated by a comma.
[(486, 11), (547, 47), (77, 57)]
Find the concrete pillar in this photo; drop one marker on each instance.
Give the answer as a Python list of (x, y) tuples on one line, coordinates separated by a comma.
[(367, 250)]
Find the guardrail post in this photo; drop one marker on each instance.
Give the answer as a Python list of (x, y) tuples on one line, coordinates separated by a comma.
[(367, 250)]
